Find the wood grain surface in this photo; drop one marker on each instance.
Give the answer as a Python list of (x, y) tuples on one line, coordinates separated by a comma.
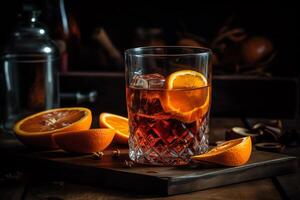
[(112, 172), (47, 181)]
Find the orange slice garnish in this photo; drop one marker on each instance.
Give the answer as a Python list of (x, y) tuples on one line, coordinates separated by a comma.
[(231, 153), (87, 141), (118, 123), (37, 129), (187, 96)]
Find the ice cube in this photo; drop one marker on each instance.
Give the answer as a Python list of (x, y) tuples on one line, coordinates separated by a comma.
[(148, 81)]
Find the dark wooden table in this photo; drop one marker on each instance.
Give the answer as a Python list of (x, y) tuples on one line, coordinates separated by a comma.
[(15, 184)]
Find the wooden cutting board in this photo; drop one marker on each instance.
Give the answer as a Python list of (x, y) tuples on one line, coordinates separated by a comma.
[(111, 172)]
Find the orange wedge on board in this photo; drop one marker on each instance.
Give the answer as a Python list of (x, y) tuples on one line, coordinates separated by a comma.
[(117, 123), (231, 153), (36, 130), (87, 141), (187, 96)]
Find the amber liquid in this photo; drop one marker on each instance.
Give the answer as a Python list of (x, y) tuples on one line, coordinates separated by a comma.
[(162, 131)]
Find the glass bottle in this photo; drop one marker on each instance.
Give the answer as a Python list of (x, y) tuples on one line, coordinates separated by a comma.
[(28, 68)]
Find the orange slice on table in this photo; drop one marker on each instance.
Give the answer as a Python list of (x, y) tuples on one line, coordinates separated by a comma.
[(231, 153), (37, 129), (187, 96), (118, 123), (87, 141)]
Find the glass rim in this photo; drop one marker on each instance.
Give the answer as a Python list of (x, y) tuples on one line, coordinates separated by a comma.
[(138, 51)]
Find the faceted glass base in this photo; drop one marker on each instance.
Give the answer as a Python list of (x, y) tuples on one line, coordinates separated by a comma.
[(175, 150)]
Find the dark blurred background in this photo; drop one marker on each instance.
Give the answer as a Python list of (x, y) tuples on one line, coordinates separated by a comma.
[(255, 46), (128, 24)]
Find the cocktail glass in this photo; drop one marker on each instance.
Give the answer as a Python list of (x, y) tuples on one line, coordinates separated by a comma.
[(168, 91)]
